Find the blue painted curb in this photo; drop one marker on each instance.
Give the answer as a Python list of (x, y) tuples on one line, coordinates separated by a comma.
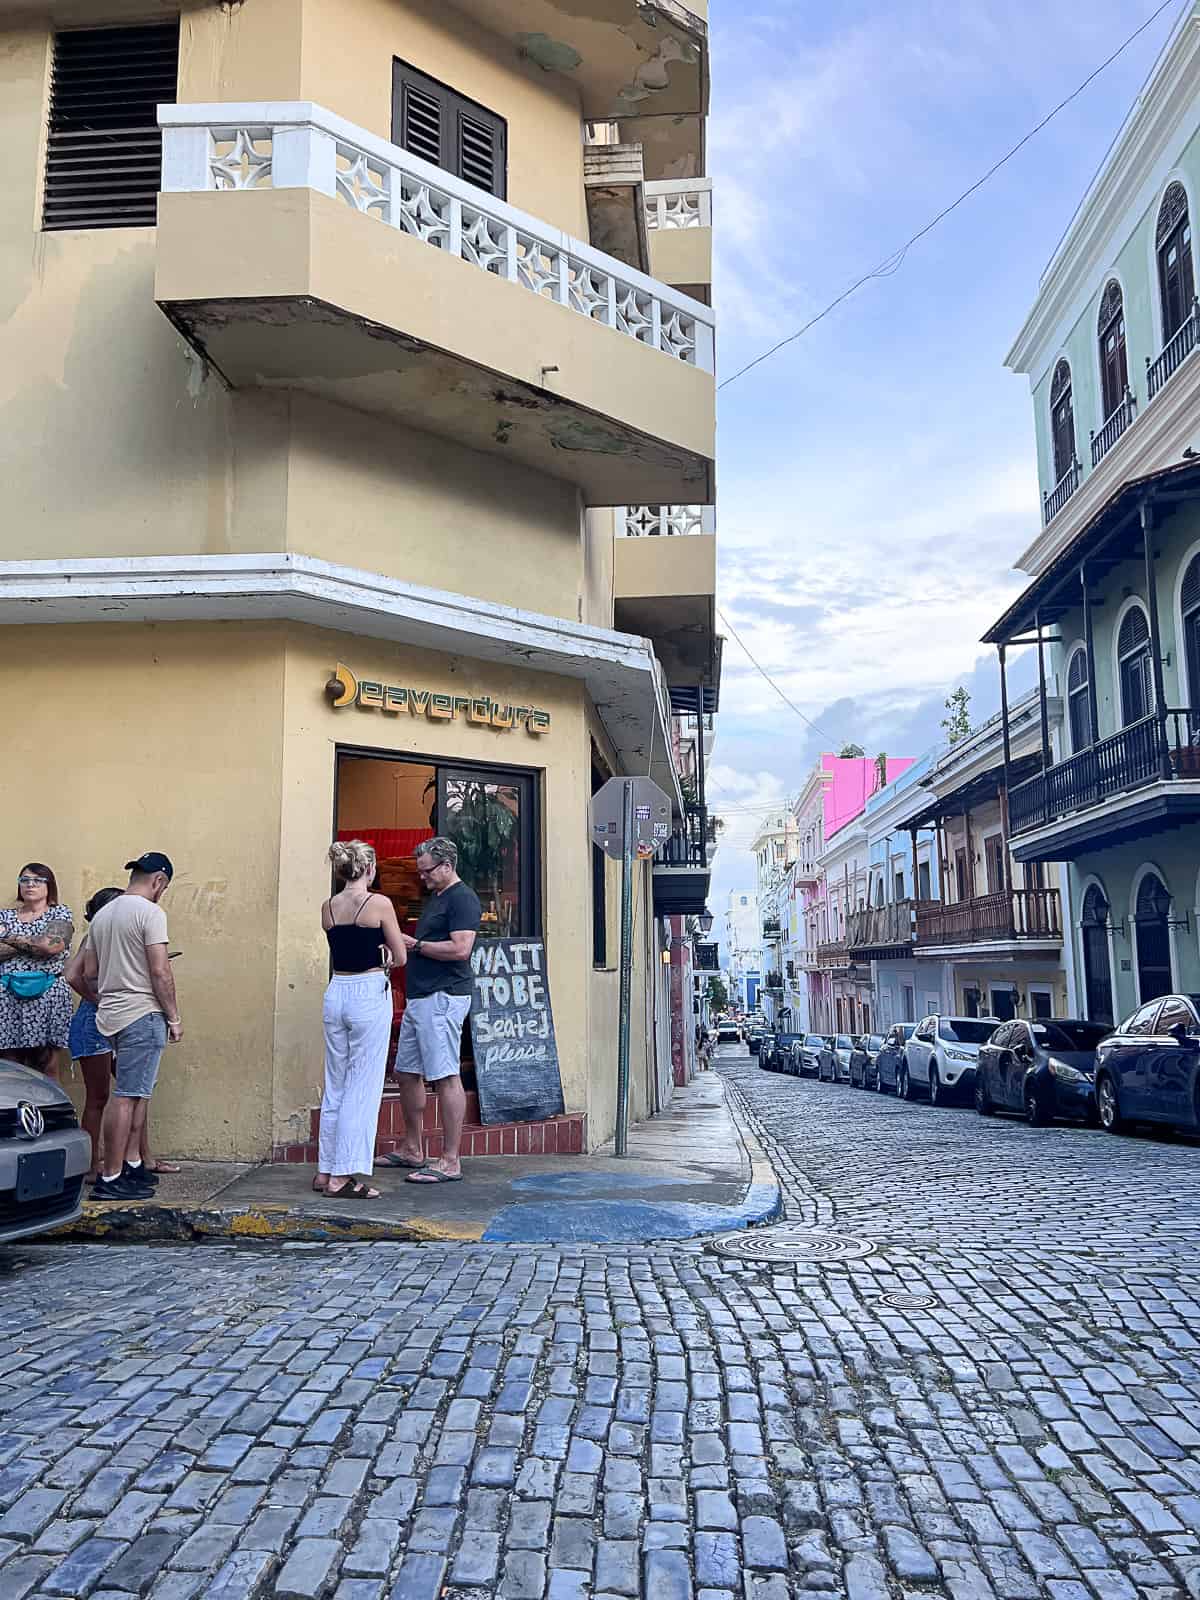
[(602, 1221)]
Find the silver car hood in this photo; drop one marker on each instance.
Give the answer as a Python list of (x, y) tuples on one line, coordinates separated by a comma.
[(22, 1083)]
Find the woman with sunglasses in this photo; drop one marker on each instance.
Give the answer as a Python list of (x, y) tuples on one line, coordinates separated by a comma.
[(35, 1003)]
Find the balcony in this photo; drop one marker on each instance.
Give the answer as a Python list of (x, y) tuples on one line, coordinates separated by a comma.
[(880, 933), (665, 585), (1005, 918), (833, 956), (679, 226), (682, 873), (1066, 486), (1112, 430), (1175, 352), (295, 250), (1142, 779)]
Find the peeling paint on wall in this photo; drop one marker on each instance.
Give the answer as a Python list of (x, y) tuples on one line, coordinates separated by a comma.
[(653, 76), (587, 436), (549, 54)]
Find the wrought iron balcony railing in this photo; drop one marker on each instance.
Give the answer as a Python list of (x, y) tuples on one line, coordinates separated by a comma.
[(1142, 753), (1009, 915), (688, 845), (299, 145), (1066, 486), (1112, 430), (1174, 353)]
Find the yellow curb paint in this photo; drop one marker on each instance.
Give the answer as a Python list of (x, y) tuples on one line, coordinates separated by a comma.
[(139, 1220)]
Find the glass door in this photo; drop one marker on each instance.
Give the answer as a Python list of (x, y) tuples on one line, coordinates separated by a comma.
[(489, 813)]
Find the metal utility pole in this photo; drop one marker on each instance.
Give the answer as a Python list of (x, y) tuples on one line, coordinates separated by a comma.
[(621, 1140)]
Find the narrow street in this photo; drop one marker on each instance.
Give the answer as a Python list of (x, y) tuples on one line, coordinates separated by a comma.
[(394, 1420)]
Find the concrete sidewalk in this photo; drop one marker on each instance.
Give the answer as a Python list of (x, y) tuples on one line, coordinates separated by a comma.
[(692, 1170)]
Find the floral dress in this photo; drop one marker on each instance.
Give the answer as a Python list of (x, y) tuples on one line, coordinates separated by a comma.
[(34, 1024)]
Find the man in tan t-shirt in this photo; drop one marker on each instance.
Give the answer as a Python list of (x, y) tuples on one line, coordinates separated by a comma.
[(127, 968)]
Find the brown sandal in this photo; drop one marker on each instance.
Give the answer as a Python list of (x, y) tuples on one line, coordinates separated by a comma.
[(354, 1191)]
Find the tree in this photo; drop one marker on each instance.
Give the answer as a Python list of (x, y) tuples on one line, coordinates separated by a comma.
[(850, 752), (957, 721), (718, 994)]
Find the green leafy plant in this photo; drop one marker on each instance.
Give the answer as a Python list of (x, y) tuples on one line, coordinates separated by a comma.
[(484, 829), (718, 994), (957, 721)]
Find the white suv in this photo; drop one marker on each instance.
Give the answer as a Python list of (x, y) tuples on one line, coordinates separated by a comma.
[(940, 1058)]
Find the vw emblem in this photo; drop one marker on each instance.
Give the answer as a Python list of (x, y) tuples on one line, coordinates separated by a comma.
[(33, 1124)]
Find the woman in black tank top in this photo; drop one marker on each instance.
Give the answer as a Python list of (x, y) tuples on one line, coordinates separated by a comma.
[(364, 944)]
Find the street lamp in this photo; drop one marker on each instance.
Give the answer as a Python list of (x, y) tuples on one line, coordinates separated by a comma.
[(705, 921)]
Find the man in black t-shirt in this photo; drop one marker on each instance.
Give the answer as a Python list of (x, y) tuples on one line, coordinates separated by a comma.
[(438, 990)]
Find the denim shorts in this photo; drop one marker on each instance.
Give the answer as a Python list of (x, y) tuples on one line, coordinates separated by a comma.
[(138, 1050), (85, 1039)]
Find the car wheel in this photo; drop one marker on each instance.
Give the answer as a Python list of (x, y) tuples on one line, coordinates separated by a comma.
[(983, 1101), (903, 1084), (1109, 1106), (937, 1094), (1037, 1113), (880, 1086)]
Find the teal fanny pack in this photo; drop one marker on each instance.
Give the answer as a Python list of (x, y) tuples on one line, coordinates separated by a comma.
[(28, 985)]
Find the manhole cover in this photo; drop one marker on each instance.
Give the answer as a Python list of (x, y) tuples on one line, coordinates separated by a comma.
[(907, 1302), (791, 1244)]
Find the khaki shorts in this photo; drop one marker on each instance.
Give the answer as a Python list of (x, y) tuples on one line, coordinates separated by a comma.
[(430, 1039)]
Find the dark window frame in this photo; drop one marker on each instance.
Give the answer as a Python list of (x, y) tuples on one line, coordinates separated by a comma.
[(1062, 420), (1079, 707), (599, 890), (103, 162), (1135, 670), (445, 117), (1114, 360), (1173, 254)]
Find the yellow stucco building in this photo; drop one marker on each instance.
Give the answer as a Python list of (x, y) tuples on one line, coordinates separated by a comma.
[(356, 363)]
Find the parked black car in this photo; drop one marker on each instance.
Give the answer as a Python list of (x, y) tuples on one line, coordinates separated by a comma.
[(754, 1039), (862, 1060), (890, 1057), (785, 1052), (1148, 1069), (1043, 1068), (767, 1054)]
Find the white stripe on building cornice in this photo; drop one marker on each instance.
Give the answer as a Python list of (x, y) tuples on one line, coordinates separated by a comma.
[(1123, 186), (620, 670)]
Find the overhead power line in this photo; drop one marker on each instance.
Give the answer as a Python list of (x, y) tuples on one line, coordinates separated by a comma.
[(791, 704), (892, 263)]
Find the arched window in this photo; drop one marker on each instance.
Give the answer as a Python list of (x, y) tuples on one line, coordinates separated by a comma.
[(1173, 243), (1079, 711), (1097, 969), (1189, 605), (1062, 421), (1133, 663), (1153, 938), (1114, 373)]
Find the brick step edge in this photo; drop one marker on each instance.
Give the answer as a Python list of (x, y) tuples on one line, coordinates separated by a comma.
[(557, 1136)]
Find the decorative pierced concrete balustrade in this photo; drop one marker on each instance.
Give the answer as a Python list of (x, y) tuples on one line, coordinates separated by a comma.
[(679, 203), (641, 522), (290, 145)]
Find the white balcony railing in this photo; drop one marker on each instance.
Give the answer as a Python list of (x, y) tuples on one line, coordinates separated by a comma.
[(291, 145), (679, 203), (640, 522)]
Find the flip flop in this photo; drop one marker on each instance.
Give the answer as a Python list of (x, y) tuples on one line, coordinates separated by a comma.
[(394, 1160), (431, 1175), (318, 1186), (354, 1191)]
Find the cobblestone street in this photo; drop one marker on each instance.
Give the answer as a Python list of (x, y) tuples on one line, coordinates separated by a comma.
[(404, 1421)]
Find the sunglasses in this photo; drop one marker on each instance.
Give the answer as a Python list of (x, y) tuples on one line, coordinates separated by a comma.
[(29, 878)]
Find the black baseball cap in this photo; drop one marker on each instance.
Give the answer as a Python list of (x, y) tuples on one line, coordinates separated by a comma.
[(152, 861)]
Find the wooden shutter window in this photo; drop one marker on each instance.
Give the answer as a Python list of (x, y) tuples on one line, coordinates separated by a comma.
[(432, 121), (104, 148)]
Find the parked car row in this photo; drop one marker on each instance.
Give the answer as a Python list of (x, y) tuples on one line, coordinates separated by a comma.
[(1047, 1068)]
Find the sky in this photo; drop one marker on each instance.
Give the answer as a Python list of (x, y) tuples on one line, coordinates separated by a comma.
[(876, 479)]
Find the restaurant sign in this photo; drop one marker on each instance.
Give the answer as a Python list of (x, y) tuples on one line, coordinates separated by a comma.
[(344, 689)]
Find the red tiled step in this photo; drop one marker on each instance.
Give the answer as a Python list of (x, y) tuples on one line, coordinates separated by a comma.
[(563, 1136)]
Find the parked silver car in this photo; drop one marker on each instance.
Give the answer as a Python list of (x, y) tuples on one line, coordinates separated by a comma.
[(44, 1154)]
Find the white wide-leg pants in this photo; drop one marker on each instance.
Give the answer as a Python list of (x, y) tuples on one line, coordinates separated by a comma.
[(357, 1017)]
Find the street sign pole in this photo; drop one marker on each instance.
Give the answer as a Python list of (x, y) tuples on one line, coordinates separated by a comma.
[(622, 1133)]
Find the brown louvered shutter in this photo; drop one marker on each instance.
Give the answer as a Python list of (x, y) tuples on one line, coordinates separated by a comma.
[(431, 121), (104, 148)]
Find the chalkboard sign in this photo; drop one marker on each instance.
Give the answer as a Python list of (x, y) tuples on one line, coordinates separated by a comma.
[(512, 1031)]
